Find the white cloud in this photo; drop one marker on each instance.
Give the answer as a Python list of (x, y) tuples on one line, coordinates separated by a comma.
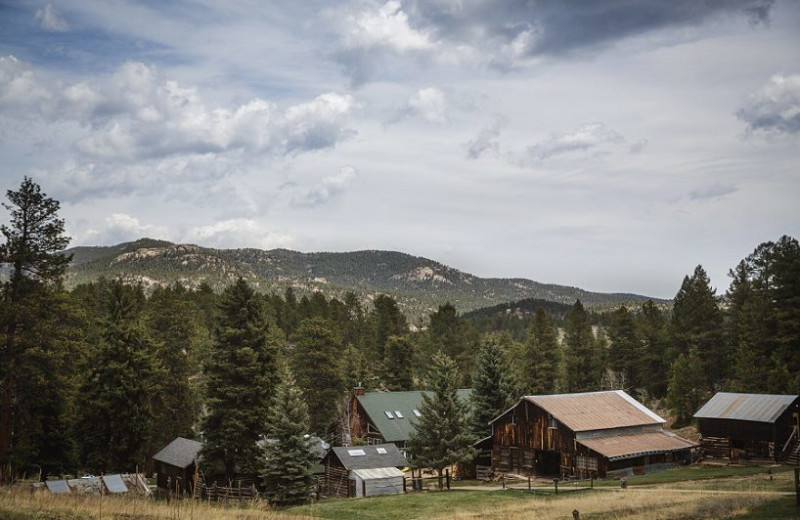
[(775, 107), (429, 104), (120, 227), (330, 187), (239, 232), (585, 138), (383, 26), (50, 19)]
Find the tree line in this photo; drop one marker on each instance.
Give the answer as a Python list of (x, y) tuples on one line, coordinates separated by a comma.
[(102, 376)]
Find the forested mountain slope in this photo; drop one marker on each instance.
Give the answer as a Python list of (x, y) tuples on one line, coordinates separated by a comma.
[(418, 284)]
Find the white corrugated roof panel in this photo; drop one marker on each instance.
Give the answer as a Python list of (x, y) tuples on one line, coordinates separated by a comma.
[(377, 473)]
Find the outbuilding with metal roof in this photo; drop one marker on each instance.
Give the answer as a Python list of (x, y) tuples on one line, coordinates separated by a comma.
[(358, 471), (739, 427), (591, 434)]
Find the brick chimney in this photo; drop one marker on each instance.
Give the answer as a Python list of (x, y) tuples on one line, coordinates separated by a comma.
[(358, 390)]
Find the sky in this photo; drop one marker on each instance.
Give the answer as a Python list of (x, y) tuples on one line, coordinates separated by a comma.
[(611, 145)]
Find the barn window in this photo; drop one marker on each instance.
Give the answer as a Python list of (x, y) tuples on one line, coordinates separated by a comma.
[(551, 422), (398, 414), (388, 414)]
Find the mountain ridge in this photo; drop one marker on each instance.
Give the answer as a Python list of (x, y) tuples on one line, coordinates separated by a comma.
[(418, 284)]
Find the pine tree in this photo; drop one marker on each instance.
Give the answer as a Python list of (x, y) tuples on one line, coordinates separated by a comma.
[(540, 358), (116, 417), (240, 379), (386, 320), (441, 436), (625, 356), (655, 368), (32, 249), (492, 389), (317, 364), (399, 363), (686, 392), (287, 454), (176, 327), (697, 324), (582, 366)]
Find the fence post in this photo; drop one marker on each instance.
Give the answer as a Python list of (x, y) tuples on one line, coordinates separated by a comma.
[(503, 480), (447, 478), (796, 487), (555, 481), (529, 483)]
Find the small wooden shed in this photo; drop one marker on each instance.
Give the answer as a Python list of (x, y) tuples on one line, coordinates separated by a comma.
[(362, 471), (740, 427), (176, 465)]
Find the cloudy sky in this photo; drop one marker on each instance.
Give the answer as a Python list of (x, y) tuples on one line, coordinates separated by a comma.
[(612, 145)]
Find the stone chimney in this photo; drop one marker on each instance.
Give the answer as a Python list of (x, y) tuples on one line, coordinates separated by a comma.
[(358, 390)]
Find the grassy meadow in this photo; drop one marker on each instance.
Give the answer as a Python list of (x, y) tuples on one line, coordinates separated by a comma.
[(686, 493)]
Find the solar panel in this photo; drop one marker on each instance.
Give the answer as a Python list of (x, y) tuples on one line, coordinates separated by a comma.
[(114, 484), (381, 451), (356, 453), (398, 414), (416, 412), (58, 487), (388, 414)]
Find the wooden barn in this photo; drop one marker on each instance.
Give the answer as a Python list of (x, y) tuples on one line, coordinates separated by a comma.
[(362, 471), (740, 427), (385, 417), (594, 434), (176, 465)]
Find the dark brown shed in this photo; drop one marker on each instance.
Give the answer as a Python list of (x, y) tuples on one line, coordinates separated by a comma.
[(740, 427), (176, 465)]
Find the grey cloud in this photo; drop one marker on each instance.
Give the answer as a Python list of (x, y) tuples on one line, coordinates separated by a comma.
[(486, 140), (714, 191), (558, 27), (584, 138), (775, 107)]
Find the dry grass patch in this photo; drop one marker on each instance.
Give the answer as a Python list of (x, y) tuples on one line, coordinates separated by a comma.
[(23, 504), (627, 505)]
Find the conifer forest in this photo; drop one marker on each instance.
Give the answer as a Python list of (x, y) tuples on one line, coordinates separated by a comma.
[(99, 377)]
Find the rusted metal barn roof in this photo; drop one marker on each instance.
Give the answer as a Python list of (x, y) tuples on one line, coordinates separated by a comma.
[(618, 447), (596, 410), (746, 407)]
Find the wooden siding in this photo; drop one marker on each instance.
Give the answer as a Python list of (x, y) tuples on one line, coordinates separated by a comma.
[(742, 440), (527, 441)]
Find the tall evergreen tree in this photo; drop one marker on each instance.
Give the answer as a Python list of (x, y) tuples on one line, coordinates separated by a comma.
[(287, 454), (399, 363), (582, 367), (655, 368), (541, 357), (317, 364), (450, 334), (386, 320), (625, 355), (697, 324), (116, 418), (687, 385), (492, 383), (441, 436), (241, 375), (32, 249), (175, 324)]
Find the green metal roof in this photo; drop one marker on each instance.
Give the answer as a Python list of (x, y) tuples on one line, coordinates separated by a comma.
[(397, 429)]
